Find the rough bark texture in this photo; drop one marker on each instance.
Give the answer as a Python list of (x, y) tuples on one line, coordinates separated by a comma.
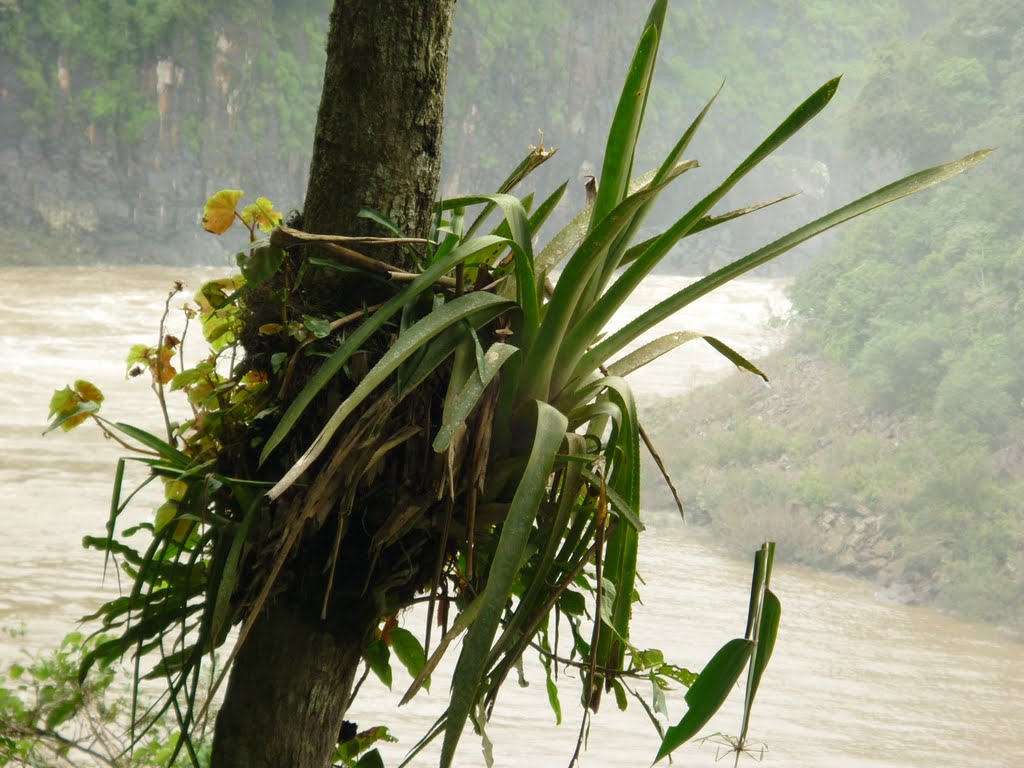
[(378, 137), (378, 144), (285, 702)]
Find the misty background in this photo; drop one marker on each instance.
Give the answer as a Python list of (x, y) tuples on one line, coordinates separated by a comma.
[(890, 445)]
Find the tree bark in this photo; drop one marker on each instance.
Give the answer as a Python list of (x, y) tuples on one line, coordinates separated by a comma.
[(377, 145), (378, 134)]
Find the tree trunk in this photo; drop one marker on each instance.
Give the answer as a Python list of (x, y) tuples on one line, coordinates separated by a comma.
[(377, 145)]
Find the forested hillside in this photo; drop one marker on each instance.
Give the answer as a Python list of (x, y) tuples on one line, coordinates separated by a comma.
[(918, 422)]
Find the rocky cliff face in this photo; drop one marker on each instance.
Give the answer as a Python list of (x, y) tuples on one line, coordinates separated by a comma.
[(116, 167)]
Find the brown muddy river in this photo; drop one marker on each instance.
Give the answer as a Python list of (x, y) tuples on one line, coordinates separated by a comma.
[(855, 681)]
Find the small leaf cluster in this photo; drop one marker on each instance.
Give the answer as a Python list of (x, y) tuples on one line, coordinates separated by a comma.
[(48, 717)]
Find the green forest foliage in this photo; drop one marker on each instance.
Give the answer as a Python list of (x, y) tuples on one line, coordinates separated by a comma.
[(247, 79), (924, 304)]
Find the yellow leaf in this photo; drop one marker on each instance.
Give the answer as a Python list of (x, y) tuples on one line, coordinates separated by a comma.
[(163, 370), (175, 490), (261, 213), (74, 421), (219, 211), (63, 401), (182, 530), (88, 392)]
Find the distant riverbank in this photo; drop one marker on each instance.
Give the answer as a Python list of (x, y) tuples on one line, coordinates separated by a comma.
[(839, 484)]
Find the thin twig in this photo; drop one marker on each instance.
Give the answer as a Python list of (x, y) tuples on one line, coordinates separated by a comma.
[(586, 665), (284, 235), (442, 546), (54, 736), (158, 384), (357, 686), (377, 267)]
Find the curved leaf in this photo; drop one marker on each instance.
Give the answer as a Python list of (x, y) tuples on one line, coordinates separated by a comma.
[(471, 393), (508, 558), (907, 186), (708, 693)]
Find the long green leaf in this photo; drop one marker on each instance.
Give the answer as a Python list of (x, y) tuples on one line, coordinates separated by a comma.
[(538, 589), (471, 393), (439, 349), (708, 693), (629, 115), (408, 343), (768, 631), (650, 352), (171, 454), (767, 615), (620, 562), (907, 186), (705, 223), (670, 162), (371, 325), (508, 559), (540, 360), (522, 247), (608, 304)]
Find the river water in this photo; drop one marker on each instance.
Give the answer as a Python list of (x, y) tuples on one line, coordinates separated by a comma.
[(855, 681)]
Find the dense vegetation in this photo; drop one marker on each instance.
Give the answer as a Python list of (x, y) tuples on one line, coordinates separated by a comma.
[(926, 306), (921, 306), (922, 303), (92, 69)]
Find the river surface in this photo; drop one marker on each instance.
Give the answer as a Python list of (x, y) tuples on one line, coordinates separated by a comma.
[(855, 681)]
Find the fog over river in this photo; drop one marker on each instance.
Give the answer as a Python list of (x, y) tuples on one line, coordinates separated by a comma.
[(855, 681)]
